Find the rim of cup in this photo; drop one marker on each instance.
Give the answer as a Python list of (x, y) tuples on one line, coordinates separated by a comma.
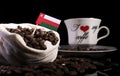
[(84, 18)]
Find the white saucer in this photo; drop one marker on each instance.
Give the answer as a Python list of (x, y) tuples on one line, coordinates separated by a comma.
[(91, 49), (97, 50)]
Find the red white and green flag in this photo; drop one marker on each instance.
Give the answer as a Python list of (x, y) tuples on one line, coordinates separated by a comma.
[(48, 21)]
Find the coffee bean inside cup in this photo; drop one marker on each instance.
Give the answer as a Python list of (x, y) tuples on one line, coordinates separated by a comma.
[(37, 39)]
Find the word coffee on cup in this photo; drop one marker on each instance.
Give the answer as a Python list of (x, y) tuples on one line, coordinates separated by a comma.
[(84, 30)]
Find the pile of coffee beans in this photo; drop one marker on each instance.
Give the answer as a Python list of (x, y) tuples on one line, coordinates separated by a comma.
[(62, 66), (37, 39)]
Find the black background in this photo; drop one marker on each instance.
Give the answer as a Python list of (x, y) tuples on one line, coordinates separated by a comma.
[(27, 11)]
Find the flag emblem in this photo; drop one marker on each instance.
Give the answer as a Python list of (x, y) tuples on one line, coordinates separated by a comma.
[(48, 21)]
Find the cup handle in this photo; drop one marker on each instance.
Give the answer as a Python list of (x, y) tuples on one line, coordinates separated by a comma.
[(108, 32)]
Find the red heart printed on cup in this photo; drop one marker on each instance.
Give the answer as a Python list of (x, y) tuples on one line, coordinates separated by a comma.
[(84, 28)]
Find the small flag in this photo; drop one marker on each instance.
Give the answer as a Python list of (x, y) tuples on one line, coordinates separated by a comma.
[(48, 21)]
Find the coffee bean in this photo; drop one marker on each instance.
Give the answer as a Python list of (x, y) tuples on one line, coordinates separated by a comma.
[(29, 74)]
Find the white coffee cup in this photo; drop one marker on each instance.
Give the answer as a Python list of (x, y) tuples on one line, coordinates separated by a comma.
[(84, 30)]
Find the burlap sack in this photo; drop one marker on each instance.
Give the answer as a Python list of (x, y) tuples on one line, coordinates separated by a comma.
[(14, 51)]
